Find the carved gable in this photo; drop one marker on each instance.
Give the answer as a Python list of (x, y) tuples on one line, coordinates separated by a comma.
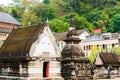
[(45, 45)]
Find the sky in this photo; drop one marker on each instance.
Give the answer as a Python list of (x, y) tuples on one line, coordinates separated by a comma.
[(5, 2)]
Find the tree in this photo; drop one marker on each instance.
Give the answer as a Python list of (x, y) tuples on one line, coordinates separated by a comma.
[(116, 50), (46, 1), (78, 6), (80, 21), (29, 18), (104, 22), (57, 25), (93, 53), (101, 4), (1, 42), (116, 23), (50, 13)]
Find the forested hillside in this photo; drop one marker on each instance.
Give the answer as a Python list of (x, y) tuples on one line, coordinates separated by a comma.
[(89, 14)]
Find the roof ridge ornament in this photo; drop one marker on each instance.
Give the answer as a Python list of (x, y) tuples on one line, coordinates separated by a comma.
[(72, 22), (47, 22)]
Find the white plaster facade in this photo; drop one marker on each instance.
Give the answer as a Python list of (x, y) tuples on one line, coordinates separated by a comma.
[(3, 37), (102, 44), (46, 43), (82, 37), (44, 49)]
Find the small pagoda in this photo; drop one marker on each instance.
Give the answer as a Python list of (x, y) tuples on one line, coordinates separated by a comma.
[(74, 64)]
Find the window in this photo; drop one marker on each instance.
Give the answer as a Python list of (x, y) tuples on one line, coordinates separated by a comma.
[(97, 45), (58, 44), (84, 47), (62, 46), (104, 46), (113, 45)]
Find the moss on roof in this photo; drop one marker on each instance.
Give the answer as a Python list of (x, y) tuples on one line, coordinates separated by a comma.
[(19, 41)]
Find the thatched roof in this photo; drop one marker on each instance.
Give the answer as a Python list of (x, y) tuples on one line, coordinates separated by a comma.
[(63, 36), (109, 59), (6, 18), (19, 42)]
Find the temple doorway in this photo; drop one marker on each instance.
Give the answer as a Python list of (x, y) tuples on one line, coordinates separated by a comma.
[(46, 69)]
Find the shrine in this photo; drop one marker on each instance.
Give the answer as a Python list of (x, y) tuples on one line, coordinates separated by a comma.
[(74, 63)]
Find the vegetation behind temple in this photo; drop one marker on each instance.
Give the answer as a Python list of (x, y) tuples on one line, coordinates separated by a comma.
[(89, 14), (95, 50)]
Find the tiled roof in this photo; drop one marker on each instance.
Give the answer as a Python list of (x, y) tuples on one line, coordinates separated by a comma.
[(63, 36), (5, 17)]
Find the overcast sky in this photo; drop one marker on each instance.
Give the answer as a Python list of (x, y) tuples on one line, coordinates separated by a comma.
[(5, 2)]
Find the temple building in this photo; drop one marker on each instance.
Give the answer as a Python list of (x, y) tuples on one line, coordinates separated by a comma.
[(60, 37), (7, 23), (74, 64), (30, 54), (106, 65)]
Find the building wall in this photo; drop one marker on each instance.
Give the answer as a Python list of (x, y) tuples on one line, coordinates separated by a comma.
[(61, 44), (3, 36), (103, 44), (83, 35), (35, 69), (45, 49), (45, 45), (103, 41), (7, 25)]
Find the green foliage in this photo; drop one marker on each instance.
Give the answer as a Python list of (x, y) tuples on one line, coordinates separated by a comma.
[(79, 6), (50, 13), (29, 18), (46, 1), (94, 52), (102, 4), (59, 25), (1, 42), (89, 14), (116, 50), (116, 23), (80, 21)]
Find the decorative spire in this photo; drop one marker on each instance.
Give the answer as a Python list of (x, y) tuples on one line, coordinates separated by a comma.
[(46, 23), (47, 20), (72, 22)]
